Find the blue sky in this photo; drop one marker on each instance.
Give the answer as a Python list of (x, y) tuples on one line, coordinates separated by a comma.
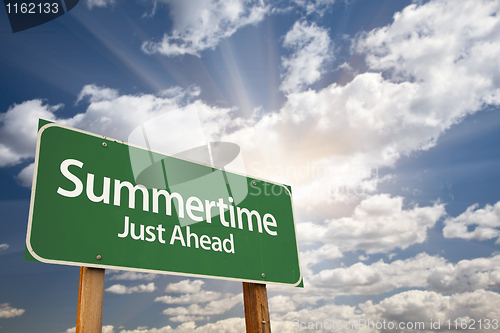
[(389, 108)]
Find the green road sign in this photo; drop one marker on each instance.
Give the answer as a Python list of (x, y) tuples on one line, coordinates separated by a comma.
[(91, 207)]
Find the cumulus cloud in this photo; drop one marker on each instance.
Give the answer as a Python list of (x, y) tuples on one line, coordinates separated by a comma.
[(216, 307), (184, 318), (108, 113), (409, 306), (281, 303), (97, 94), (192, 294), (230, 325), (435, 64), (132, 276), (121, 289), (414, 306), (421, 271), (445, 49), (25, 177), (197, 297), (466, 275), (200, 25), (18, 130), (441, 42), (378, 224), (311, 49), (378, 277), (116, 115), (6, 311), (4, 246), (422, 306), (185, 286), (486, 223), (310, 258)]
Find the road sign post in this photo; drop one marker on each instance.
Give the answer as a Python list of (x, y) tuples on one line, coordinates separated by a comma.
[(256, 308), (90, 300)]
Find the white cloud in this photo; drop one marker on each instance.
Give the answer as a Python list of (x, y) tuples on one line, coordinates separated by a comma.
[(185, 287), (378, 277), (422, 271), (192, 295), (440, 42), (422, 306), (196, 297), (378, 224), (281, 303), (364, 258), (132, 276), (230, 325), (108, 114), (216, 307), (186, 327), (6, 311), (435, 64), (311, 49), (466, 275), (448, 50), (310, 258), (97, 94), (99, 3), (486, 222), (121, 289), (184, 318), (4, 246), (25, 177), (200, 25), (412, 306), (116, 116), (283, 323), (18, 130)]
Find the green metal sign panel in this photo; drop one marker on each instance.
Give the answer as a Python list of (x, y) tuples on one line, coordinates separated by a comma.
[(90, 206)]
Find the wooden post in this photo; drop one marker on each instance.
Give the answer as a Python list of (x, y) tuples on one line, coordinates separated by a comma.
[(256, 309), (90, 296)]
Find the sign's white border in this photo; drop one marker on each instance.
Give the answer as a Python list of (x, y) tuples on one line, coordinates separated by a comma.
[(70, 263)]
